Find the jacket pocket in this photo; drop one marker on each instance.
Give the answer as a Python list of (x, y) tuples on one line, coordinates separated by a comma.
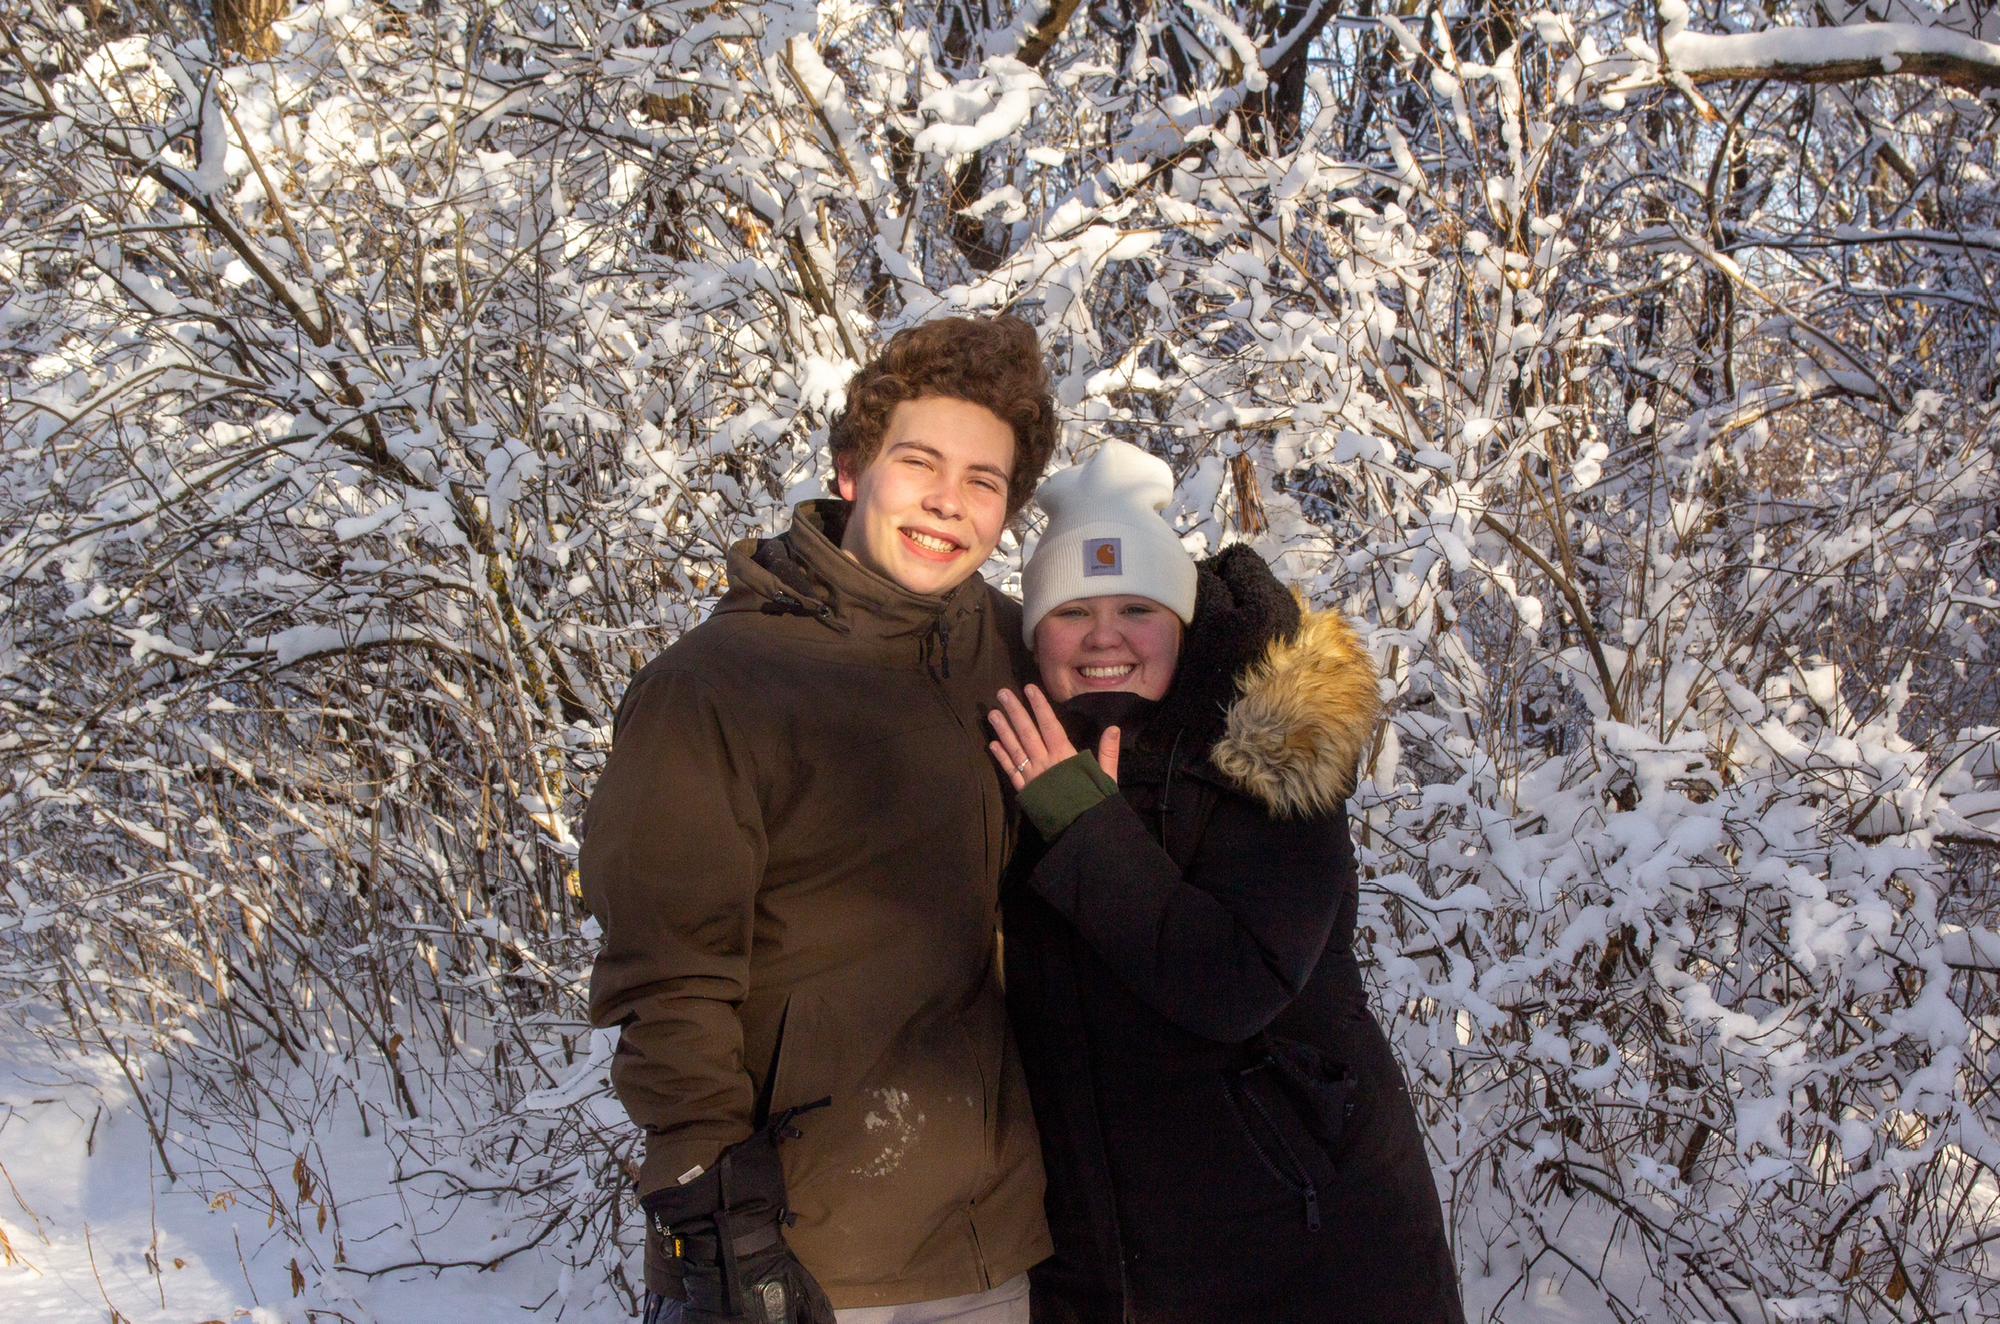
[(1322, 1089), (1260, 1108), (784, 1084)]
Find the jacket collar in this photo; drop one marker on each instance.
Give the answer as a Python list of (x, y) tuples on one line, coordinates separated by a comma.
[(803, 572)]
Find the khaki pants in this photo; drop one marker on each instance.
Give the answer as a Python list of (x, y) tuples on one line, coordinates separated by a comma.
[(1005, 1304)]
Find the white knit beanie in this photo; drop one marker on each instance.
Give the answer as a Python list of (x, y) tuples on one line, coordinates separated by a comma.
[(1106, 537)]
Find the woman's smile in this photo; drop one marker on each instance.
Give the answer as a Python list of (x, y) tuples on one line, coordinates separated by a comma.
[(1120, 642)]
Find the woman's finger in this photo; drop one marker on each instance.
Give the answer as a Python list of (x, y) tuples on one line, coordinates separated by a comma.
[(1107, 752), (1009, 742), (1049, 726), (1006, 711), (1025, 730), (1008, 762), (1021, 748)]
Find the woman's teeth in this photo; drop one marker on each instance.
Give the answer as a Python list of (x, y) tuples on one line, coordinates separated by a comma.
[(1107, 673)]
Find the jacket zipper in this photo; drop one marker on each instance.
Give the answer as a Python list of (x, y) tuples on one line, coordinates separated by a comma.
[(1298, 1180), (938, 675), (978, 1251)]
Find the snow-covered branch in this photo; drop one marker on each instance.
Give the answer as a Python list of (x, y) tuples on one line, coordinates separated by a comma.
[(1836, 54), (370, 412)]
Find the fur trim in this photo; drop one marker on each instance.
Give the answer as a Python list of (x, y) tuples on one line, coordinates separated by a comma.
[(1306, 714), (1240, 609)]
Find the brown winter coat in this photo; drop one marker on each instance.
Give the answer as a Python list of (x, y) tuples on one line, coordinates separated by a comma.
[(794, 852)]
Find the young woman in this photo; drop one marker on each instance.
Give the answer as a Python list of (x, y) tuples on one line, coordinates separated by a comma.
[(1226, 1133)]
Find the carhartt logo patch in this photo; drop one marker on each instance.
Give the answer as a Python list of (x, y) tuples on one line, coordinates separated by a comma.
[(1103, 556)]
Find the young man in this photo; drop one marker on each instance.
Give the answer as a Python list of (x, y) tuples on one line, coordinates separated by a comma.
[(794, 852)]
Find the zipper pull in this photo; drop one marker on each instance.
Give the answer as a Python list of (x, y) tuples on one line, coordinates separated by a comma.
[(1312, 1206)]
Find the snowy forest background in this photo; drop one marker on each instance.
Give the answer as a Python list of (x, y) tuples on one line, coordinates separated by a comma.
[(383, 383)]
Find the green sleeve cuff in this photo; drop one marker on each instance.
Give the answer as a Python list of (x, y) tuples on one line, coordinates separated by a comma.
[(1061, 795)]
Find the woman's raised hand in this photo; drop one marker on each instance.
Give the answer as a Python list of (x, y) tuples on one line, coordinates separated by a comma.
[(1032, 741)]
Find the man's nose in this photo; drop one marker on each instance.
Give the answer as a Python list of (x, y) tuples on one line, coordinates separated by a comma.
[(941, 497)]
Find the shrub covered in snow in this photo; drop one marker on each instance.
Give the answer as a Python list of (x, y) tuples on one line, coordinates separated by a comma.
[(374, 409)]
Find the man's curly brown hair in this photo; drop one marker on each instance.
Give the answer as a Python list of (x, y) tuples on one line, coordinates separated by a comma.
[(993, 362)]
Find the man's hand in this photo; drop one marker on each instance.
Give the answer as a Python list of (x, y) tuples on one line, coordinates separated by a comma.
[(786, 1294), (727, 1228)]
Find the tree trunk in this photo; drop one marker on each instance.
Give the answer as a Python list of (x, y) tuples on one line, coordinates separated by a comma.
[(243, 27)]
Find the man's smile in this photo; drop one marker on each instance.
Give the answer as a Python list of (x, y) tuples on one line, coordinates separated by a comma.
[(935, 545)]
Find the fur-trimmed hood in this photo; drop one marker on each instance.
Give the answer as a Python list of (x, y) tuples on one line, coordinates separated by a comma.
[(1302, 720), (1279, 699)]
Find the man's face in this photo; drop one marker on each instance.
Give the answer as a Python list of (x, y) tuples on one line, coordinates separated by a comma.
[(930, 507)]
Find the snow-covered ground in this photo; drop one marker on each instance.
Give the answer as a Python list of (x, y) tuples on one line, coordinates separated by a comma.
[(93, 1230)]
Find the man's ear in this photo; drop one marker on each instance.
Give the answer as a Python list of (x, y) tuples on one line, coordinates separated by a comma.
[(843, 478)]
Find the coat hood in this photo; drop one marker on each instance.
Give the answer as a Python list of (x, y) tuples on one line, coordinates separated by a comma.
[(1302, 719), (802, 572), (1281, 698)]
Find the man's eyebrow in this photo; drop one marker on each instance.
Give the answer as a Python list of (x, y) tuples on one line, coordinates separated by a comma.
[(936, 454)]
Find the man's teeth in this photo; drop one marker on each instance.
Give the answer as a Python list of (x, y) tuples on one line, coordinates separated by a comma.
[(928, 543), (1107, 673)]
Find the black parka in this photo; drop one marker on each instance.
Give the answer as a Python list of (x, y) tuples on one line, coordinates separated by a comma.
[(1226, 1133)]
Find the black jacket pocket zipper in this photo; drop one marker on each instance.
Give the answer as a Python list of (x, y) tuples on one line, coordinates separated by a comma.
[(1290, 1171)]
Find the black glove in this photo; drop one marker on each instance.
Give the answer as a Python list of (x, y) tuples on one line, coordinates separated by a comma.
[(727, 1228)]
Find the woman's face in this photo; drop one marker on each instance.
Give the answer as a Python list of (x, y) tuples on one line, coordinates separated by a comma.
[(1118, 643)]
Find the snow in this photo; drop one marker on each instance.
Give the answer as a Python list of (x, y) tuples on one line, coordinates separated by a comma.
[(1970, 948), (585, 1079), (1683, 812), (975, 114), (96, 1226), (93, 1224), (1882, 43), (785, 20)]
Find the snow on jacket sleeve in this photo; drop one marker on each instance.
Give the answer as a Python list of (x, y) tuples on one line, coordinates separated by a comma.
[(1225, 948), (673, 852)]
